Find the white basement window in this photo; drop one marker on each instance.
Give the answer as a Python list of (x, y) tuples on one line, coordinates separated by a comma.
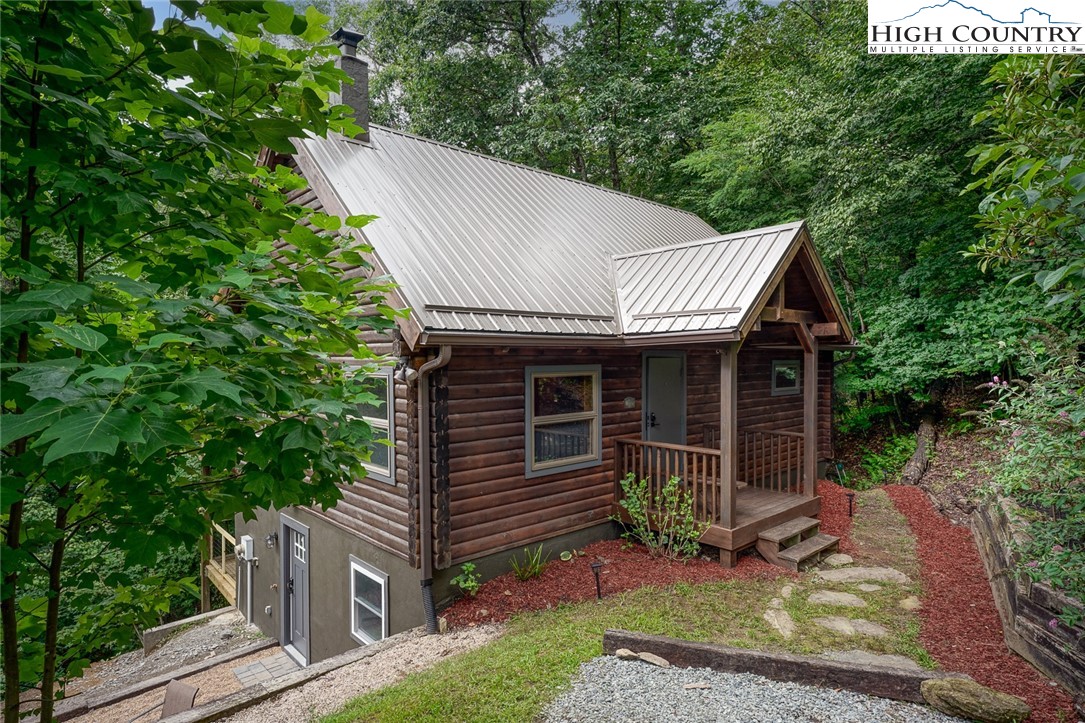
[(380, 415), (563, 418), (785, 377), (368, 602)]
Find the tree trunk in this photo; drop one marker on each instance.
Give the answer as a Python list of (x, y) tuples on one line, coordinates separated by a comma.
[(925, 439)]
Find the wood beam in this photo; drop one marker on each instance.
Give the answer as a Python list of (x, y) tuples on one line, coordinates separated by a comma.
[(790, 316), (728, 434), (829, 329)]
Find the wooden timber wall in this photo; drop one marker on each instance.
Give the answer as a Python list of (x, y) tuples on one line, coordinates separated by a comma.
[(492, 507), (379, 512)]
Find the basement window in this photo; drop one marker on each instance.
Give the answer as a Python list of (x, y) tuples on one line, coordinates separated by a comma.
[(379, 414), (563, 418), (368, 602), (785, 377)]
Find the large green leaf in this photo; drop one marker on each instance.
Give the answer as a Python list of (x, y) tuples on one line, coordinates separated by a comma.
[(61, 294), (193, 387), (76, 335), (48, 374), (90, 431), (159, 433), (33, 420)]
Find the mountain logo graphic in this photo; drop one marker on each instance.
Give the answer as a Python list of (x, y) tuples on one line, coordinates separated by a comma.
[(1029, 15)]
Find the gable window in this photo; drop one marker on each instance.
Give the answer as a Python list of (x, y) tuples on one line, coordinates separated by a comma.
[(368, 602), (785, 377), (379, 414), (563, 418)]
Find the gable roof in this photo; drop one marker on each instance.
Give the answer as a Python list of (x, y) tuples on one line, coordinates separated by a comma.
[(479, 245)]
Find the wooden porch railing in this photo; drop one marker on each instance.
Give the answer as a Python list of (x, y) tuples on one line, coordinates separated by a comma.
[(657, 462), (218, 568), (771, 460)]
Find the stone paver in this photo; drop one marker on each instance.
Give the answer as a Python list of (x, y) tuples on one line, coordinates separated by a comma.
[(868, 587), (780, 621), (862, 574), (266, 669), (786, 590), (840, 599), (846, 626), (838, 559), (910, 603)]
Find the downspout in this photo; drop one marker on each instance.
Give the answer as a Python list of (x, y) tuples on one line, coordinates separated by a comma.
[(425, 484)]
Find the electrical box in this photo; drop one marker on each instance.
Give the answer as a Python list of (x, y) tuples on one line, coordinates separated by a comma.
[(246, 547)]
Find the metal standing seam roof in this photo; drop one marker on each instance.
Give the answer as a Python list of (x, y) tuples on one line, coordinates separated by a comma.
[(483, 245), (704, 285)]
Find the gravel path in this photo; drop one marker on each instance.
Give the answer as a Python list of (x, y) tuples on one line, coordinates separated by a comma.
[(612, 690), (331, 692)]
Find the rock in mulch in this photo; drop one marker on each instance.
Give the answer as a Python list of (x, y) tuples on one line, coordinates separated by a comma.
[(839, 599), (959, 624), (862, 657), (780, 621), (838, 560), (848, 626), (863, 574), (969, 699)]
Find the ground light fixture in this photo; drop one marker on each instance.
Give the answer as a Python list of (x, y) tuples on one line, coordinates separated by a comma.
[(851, 502), (595, 568)]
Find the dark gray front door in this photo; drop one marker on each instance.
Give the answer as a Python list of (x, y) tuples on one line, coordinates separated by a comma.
[(665, 397), (296, 588)]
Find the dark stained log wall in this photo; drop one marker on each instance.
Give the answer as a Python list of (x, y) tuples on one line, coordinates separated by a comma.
[(379, 512), (492, 507)]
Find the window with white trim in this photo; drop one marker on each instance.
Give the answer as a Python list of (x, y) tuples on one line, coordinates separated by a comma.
[(563, 418), (379, 414), (785, 377), (368, 602)]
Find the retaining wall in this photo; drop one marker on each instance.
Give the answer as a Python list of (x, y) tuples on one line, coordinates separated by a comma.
[(1027, 608)]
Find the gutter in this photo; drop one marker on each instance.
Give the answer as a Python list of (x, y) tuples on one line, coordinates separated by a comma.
[(425, 484)]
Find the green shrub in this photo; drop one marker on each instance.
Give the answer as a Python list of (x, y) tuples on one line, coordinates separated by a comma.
[(859, 419), (468, 580), (677, 531), (886, 466), (533, 565), (1042, 441)]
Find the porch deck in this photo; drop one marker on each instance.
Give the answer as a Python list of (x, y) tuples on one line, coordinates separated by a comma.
[(770, 492)]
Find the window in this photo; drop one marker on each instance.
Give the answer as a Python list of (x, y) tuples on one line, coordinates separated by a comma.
[(368, 602), (562, 418), (785, 377), (379, 414)]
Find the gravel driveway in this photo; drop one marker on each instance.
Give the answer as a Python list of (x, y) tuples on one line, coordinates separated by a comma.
[(609, 690)]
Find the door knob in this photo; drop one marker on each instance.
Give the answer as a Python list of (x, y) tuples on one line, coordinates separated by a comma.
[(652, 419)]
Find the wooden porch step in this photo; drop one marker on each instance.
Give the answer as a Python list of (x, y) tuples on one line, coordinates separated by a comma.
[(808, 552), (798, 527)]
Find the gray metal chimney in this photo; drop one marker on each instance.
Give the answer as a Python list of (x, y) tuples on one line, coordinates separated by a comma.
[(356, 95)]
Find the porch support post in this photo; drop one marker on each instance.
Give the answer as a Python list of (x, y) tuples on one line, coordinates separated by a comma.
[(728, 433), (809, 344)]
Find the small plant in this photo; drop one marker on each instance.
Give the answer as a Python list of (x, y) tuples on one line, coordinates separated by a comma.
[(886, 466), (533, 565), (566, 556), (677, 531), (468, 580)]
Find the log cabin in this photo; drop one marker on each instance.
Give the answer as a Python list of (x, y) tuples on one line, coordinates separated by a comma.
[(560, 336)]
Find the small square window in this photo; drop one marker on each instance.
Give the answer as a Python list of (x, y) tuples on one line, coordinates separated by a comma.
[(368, 602), (785, 377), (563, 417)]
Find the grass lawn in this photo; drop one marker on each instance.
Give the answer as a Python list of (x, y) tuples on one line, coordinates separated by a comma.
[(517, 675)]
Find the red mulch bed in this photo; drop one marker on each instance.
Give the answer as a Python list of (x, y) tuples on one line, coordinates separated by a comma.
[(960, 626), (834, 513), (572, 581)]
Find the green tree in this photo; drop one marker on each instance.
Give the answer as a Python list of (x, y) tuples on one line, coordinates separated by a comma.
[(164, 361), (1034, 211)]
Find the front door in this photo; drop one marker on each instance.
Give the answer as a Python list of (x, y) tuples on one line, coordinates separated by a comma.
[(295, 604), (665, 397)]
